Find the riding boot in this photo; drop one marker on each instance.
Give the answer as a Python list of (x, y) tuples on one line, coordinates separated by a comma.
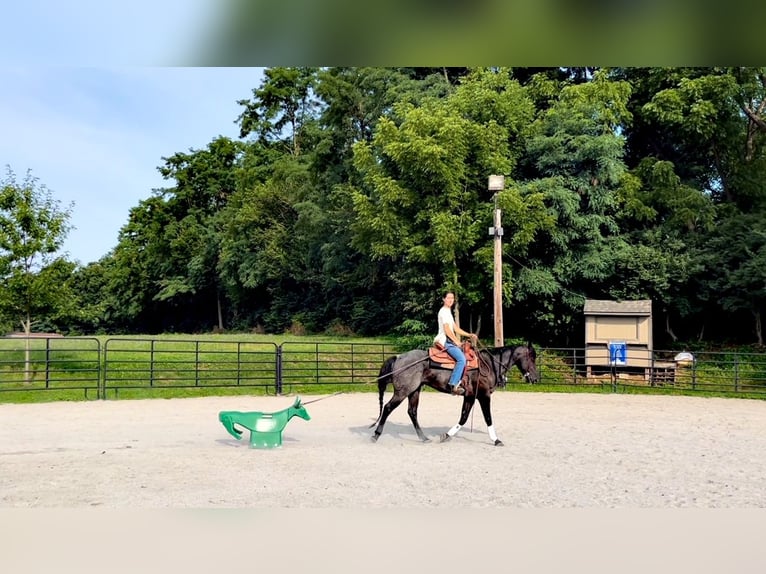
[(457, 389)]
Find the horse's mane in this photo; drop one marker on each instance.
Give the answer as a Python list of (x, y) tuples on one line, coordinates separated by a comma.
[(500, 350)]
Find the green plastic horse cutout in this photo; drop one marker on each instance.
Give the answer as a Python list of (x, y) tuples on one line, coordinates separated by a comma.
[(265, 428)]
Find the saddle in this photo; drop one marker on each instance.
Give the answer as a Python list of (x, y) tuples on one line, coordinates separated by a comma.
[(440, 359)]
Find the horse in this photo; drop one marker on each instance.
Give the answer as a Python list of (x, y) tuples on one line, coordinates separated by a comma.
[(265, 428), (409, 371)]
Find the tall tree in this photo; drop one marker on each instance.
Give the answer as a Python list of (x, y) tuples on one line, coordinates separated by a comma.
[(423, 202), (577, 155), (164, 272), (737, 248), (665, 222), (205, 180), (281, 108), (708, 124), (33, 226)]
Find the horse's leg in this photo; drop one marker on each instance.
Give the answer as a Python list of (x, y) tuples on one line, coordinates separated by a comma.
[(413, 412), (468, 401), (484, 402), (390, 406)]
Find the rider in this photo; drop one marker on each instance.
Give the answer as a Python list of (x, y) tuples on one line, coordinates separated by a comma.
[(449, 338)]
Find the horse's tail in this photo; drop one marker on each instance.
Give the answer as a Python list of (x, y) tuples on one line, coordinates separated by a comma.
[(384, 377)]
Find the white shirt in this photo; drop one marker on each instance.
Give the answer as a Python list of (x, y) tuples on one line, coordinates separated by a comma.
[(445, 317)]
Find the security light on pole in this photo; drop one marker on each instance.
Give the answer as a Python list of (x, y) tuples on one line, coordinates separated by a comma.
[(497, 183)]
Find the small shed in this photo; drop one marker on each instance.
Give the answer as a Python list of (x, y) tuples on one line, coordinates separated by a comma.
[(618, 334)]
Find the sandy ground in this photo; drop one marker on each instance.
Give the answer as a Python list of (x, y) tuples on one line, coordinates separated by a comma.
[(561, 451)]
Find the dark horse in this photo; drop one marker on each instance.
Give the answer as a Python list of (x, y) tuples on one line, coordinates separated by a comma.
[(411, 370)]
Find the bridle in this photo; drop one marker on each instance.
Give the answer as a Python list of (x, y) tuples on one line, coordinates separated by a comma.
[(499, 369)]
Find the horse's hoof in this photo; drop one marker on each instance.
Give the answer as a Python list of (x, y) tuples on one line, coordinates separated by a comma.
[(374, 438), (498, 442), (426, 439), (444, 437)]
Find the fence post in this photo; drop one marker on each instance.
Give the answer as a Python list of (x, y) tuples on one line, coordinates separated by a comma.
[(151, 363), (239, 362), (196, 363), (278, 382), (102, 363), (574, 366), (47, 362), (694, 373)]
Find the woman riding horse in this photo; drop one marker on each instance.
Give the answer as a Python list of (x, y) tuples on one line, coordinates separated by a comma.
[(409, 371)]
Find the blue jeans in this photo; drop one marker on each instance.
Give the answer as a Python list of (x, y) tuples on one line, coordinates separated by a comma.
[(456, 353)]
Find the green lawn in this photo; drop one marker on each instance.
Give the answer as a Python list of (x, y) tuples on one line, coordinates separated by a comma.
[(164, 366)]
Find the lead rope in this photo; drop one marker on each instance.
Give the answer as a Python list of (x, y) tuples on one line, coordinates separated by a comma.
[(323, 398)]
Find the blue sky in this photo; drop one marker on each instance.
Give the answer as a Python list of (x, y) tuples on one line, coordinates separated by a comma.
[(95, 136), (113, 33), (88, 107)]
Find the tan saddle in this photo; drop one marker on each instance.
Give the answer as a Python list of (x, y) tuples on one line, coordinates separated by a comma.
[(440, 358)]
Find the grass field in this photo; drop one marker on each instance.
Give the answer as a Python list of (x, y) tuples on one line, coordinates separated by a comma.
[(166, 366), (46, 369)]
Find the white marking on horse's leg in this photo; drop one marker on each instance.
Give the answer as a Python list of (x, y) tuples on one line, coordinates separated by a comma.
[(454, 430), (492, 433)]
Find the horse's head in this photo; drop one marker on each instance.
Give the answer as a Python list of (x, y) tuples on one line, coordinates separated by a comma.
[(298, 410), (524, 357), (501, 359), (228, 418)]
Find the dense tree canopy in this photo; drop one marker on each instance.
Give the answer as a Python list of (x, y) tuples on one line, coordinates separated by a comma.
[(355, 196)]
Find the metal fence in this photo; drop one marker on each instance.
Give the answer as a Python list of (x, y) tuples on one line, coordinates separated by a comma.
[(315, 365), (128, 367), (77, 367), (55, 365), (131, 364), (717, 372)]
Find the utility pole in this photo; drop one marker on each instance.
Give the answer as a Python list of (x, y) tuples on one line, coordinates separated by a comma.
[(497, 184)]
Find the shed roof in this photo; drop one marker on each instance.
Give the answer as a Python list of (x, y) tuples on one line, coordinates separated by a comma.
[(602, 307)]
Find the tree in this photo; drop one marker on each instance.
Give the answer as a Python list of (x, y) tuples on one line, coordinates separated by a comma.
[(577, 169), (281, 107), (164, 275), (33, 226), (423, 174), (699, 134)]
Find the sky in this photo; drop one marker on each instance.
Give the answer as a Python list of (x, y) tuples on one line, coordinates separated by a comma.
[(96, 136), (92, 99), (114, 33)]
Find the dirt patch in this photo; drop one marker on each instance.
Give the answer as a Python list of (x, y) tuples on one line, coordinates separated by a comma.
[(561, 451)]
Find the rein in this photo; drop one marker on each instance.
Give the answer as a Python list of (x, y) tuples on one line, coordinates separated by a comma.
[(495, 363)]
